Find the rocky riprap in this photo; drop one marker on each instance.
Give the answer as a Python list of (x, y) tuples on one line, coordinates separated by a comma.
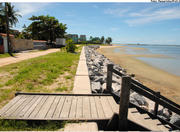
[(97, 68)]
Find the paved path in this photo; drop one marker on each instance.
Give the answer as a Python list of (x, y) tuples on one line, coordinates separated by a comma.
[(81, 81), (24, 56), (82, 86)]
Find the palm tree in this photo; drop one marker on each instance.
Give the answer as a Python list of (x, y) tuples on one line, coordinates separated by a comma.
[(11, 13), (8, 16), (108, 40)]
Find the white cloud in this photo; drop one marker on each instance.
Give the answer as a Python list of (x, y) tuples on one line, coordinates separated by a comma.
[(116, 12), (28, 8), (153, 16), (114, 29), (136, 17)]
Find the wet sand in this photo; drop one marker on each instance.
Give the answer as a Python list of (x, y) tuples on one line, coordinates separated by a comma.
[(152, 77)]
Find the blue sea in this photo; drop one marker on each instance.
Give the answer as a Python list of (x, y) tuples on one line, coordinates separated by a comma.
[(171, 63)]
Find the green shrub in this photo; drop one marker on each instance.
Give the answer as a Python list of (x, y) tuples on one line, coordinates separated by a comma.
[(70, 47)]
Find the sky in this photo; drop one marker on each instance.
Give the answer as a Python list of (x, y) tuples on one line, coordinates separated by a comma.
[(130, 23)]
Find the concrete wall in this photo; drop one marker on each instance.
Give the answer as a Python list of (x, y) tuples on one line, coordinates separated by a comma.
[(21, 44), (40, 45), (61, 41), (5, 45)]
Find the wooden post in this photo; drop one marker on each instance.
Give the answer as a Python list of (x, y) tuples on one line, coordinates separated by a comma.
[(124, 103), (109, 77), (156, 106)]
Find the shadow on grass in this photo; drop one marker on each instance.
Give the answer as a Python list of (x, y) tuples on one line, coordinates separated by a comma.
[(8, 125)]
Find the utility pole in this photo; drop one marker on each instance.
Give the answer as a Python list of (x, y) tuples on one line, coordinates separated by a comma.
[(7, 29)]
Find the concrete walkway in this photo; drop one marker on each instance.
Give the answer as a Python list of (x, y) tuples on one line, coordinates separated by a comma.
[(82, 86), (25, 56), (81, 81)]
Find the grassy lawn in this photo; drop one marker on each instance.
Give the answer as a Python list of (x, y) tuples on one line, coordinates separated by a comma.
[(51, 73), (5, 55)]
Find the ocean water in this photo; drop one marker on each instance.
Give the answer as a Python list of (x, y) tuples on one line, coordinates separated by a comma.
[(170, 64)]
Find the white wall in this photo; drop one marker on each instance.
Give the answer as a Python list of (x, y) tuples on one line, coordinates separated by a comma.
[(5, 45)]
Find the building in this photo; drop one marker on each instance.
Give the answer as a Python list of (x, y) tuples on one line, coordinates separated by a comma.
[(16, 44), (82, 38), (74, 37), (60, 42), (3, 42)]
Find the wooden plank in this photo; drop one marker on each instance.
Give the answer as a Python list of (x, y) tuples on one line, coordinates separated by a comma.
[(124, 102), (109, 77), (61, 94), (30, 107), (53, 107), (45, 107), (114, 106), (38, 107), (105, 105), (94, 113), (86, 108), (79, 112), (59, 107), (66, 107), (14, 107), (100, 110), (72, 113), (10, 104), (19, 110)]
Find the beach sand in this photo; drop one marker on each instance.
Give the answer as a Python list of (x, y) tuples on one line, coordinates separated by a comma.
[(152, 77)]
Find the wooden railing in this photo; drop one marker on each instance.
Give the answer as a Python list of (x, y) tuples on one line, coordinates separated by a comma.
[(136, 86)]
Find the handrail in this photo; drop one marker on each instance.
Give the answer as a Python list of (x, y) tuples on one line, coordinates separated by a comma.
[(146, 88), (145, 91)]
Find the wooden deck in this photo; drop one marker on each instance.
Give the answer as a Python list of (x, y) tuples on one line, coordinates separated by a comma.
[(59, 107)]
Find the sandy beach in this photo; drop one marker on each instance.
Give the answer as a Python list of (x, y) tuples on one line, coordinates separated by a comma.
[(152, 77)]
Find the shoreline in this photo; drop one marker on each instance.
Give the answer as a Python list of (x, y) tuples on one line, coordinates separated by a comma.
[(155, 78)]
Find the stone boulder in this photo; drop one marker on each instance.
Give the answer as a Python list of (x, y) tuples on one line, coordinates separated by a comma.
[(165, 113), (96, 87), (175, 119), (139, 100)]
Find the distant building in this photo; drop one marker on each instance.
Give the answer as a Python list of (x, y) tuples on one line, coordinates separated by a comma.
[(74, 37), (60, 42), (82, 38)]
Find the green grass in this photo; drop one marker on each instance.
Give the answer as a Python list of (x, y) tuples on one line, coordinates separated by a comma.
[(16, 125), (5, 55), (35, 75), (32, 75), (93, 44)]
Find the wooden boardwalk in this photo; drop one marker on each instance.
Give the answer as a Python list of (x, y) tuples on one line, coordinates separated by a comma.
[(59, 107)]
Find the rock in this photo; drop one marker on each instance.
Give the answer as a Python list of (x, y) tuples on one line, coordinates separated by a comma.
[(138, 99), (96, 87), (175, 119), (116, 87), (99, 79), (104, 86), (91, 73), (116, 80), (165, 113)]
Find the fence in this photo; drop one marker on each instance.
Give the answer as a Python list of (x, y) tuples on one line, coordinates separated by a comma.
[(136, 86)]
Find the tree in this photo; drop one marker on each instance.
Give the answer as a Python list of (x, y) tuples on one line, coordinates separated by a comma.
[(102, 39), (108, 40), (70, 47), (46, 28), (12, 16)]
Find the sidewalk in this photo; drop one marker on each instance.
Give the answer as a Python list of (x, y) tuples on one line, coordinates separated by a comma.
[(25, 56), (81, 81), (82, 86)]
